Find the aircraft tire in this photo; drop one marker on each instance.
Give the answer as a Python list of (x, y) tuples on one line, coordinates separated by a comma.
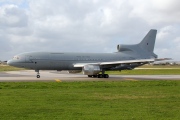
[(106, 76), (89, 75), (38, 76), (100, 76), (95, 76)]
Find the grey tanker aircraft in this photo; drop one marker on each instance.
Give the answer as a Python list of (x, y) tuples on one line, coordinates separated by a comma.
[(92, 64)]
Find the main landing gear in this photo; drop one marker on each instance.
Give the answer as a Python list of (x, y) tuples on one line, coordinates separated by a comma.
[(38, 74), (99, 76)]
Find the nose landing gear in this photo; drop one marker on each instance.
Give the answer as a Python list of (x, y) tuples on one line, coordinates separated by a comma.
[(38, 74)]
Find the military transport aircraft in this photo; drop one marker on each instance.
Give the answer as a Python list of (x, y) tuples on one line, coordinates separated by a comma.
[(92, 64)]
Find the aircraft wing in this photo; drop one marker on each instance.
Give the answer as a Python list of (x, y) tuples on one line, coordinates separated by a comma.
[(120, 62), (127, 61), (83, 64)]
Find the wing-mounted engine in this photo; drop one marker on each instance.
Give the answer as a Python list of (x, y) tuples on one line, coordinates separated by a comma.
[(74, 71), (122, 48), (91, 69)]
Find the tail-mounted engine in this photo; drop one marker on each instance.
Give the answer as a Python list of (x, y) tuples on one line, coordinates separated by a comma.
[(121, 48)]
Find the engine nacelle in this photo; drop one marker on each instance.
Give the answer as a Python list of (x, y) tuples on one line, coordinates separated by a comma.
[(74, 71), (91, 69)]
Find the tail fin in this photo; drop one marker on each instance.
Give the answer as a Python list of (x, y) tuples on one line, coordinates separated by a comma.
[(149, 41)]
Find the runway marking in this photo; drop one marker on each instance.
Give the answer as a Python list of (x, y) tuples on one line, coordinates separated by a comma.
[(58, 80)]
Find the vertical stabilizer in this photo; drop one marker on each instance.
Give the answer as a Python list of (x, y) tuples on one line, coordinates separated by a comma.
[(149, 41)]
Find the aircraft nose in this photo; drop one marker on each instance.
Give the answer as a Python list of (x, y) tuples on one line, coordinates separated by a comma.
[(10, 62)]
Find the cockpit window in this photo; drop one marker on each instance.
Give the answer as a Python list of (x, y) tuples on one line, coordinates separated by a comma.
[(16, 58)]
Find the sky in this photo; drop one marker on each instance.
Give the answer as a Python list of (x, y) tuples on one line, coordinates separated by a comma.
[(87, 25)]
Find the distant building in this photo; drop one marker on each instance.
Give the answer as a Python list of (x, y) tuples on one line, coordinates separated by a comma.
[(3, 62), (167, 62)]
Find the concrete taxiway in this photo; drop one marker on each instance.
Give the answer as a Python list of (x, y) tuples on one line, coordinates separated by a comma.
[(30, 75)]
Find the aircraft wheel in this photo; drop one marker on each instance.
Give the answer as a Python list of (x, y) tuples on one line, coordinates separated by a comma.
[(106, 76), (89, 75), (38, 76), (100, 76), (95, 76)]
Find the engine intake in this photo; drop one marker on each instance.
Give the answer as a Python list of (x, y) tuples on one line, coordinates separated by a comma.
[(121, 48), (91, 69)]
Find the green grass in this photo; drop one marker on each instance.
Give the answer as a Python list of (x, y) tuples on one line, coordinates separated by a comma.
[(160, 66), (9, 68), (146, 72), (126, 100), (158, 70)]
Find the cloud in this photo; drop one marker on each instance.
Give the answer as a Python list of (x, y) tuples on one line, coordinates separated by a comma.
[(157, 11), (12, 16), (87, 26)]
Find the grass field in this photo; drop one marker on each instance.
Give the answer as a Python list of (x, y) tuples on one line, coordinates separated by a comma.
[(150, 70), (9, 68), (123, 100), (146, 72)]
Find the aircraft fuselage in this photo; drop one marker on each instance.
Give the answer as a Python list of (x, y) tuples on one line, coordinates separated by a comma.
[(65, 61)]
